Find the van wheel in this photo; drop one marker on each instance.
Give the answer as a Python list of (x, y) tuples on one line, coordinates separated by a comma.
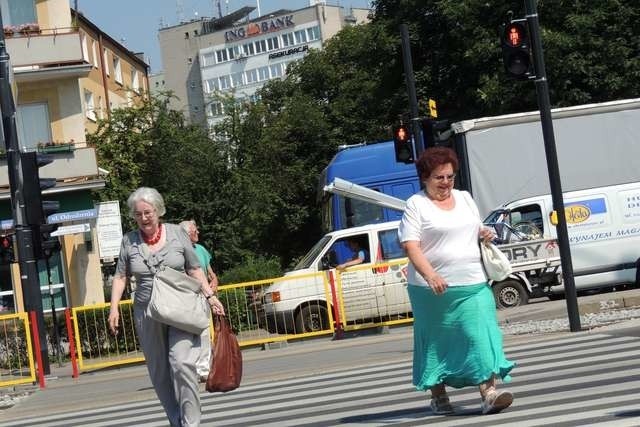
[(312, 318), (509, 293)]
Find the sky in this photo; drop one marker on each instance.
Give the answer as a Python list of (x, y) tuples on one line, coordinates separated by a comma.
[(137, 28)]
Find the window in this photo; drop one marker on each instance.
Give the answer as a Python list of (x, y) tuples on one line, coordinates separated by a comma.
[(301, 36), (89, 106), (287, 40), (117, 70), (16, 12), (272, 43), (261, 46), (135, 83), (208, 59), (235, 52), (34, 125), (105, 59), (85, 49), (356, 212), (236, 79), (263, 73), (221, 55), (225, 82), (248, 49), (276, 70), (252, 76), (211, 85), (94, 53), (313, 33), (215, 109), (390, 245)]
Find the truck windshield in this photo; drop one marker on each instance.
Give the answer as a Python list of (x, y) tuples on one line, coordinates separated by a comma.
[(306, 260)]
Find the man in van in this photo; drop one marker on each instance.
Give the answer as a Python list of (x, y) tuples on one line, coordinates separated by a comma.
[(360, 255)]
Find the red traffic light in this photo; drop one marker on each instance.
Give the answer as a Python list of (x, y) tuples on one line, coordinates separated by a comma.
[(515, 34), (5, 242)]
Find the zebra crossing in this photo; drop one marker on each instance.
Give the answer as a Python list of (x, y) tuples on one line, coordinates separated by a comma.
[(582, 380)]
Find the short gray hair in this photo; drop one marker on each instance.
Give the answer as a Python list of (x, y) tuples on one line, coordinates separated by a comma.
[(186, 225), (148, 195)]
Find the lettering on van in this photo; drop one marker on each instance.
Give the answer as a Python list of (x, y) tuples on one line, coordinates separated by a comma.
[(628, 231), (521, 253), (580, 238)]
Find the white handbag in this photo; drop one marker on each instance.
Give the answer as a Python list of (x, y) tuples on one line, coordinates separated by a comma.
[(176, 298), (176, 301), (496, 264)]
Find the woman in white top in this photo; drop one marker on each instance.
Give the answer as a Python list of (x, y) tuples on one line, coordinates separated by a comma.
[(457, 341)]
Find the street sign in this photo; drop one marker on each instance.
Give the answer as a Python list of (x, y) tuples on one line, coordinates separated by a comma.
[(71, 216), (72, 229)]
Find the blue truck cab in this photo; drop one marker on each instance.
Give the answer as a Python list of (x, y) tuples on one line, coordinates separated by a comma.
[(372, 166)]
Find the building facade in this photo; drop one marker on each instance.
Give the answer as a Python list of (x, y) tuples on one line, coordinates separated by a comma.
[(234, 55), (68, 74)]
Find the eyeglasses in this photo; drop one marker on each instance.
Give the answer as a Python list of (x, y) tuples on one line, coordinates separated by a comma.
[(147, 214), (441, 178)]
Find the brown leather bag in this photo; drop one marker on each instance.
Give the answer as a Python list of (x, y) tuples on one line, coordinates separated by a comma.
[(226, 359)]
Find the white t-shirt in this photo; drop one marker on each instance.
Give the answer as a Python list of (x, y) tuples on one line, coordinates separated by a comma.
[(448, 238)]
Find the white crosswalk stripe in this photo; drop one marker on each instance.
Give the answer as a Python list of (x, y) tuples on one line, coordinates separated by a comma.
[(586, 380)]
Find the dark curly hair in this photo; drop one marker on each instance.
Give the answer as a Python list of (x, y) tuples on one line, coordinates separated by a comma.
[(434, 157)]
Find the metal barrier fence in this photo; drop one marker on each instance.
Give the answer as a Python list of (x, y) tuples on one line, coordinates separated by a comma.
[(97, 347), (261, 312), (16, 355)]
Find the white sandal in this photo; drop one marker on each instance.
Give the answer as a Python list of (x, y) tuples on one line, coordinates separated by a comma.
[(495, 401), (441, 406)]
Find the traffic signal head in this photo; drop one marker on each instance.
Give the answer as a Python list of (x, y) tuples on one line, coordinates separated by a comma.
[(516, 50), (402, 144), (36, 209), (45, 244), (435, 132), (6, 250)]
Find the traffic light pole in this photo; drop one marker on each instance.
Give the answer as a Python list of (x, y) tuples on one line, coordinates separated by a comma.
[(411, 90), (24, 233), (544, 104)]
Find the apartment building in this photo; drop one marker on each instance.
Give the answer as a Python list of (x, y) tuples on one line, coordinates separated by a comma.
[(237, 55), (68, 74)]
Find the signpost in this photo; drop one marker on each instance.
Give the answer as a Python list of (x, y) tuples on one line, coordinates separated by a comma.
[(109, 229)]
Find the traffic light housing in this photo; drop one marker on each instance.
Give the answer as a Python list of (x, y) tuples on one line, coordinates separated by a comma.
[(402, 144), (435, 132), (6, 250), (47, 244), (516, 50), (36, 208)]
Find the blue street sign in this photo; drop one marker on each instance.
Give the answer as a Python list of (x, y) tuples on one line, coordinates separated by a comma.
[(71, 216)]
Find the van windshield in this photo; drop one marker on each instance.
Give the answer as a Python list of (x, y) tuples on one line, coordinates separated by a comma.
[(306, 260)]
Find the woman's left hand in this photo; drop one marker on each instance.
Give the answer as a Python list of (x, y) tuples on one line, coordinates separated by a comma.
[(486, 234), (216, 305)]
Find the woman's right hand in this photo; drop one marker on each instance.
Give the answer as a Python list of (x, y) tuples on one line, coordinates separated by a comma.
[(114, 321), (216, 305), (437, 284)]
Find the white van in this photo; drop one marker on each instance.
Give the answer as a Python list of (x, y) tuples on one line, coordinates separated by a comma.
[(293, 305), (603, 225)]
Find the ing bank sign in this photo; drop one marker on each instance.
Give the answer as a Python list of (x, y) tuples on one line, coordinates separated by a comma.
[(256, 28)]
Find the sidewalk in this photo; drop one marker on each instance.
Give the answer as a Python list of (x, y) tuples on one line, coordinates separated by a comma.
[(109, 387)]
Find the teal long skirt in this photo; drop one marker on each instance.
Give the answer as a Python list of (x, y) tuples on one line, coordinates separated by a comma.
[(456, 338)]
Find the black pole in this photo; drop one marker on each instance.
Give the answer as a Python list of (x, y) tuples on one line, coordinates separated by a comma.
[(411, 90), (24, 233), (542, 89)]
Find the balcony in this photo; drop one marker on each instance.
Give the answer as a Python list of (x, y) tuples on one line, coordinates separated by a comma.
[(47, 53), (70, 165)]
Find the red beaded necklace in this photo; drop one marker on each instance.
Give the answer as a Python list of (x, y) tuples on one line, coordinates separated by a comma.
[(156, 237)]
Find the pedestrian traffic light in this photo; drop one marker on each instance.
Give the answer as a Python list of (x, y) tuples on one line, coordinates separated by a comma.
[(435, 132), (46, 244), (36, 209), (6, 250), (516, 50), (402, 144)]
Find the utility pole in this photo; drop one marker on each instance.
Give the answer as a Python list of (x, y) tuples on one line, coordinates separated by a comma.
[(24, 232), (411, 90), (542, 90)]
